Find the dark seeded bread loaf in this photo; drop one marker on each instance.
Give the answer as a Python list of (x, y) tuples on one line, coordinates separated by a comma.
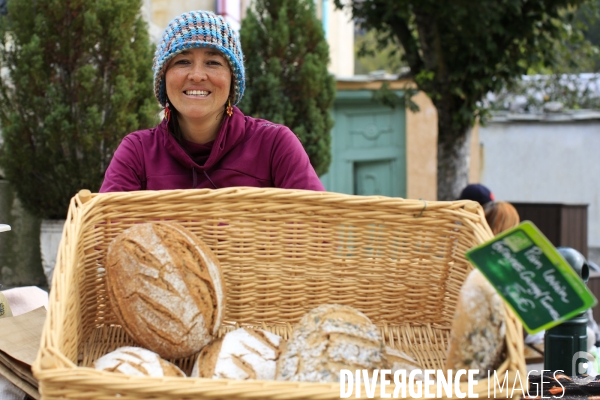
[(166, 288)]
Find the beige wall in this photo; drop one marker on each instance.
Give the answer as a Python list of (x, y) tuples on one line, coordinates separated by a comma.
[(340, 37), (421, 150), (476, 156)]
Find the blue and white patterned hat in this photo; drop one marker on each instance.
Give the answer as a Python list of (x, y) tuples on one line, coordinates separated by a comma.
[(198, 29)]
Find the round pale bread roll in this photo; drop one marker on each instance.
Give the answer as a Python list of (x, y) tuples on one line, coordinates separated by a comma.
[(166, 288), (241, 354), (477, 338), (327, 339), (137, 362)]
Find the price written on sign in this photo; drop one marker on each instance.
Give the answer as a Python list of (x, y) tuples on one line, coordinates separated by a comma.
[(532, 277)]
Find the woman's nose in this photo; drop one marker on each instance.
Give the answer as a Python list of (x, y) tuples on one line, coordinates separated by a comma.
[(198, 73)]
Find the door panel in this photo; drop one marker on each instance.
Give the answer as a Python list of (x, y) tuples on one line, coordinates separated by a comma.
[(373, 178), (368, 146), (369, 128)]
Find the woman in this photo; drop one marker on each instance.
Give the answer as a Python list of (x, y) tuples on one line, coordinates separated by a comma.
[(205, 141), (501, 216)]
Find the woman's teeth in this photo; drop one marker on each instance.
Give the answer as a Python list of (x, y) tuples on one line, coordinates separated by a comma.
[(197, 93)]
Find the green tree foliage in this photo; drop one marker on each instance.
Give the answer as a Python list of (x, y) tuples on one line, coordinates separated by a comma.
[(458, 51), (286, 73), (570, 81), (76, 77), (587, 20), (372, 56), (575, 52)]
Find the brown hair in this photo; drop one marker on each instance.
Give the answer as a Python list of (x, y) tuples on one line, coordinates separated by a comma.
[(501, 216)]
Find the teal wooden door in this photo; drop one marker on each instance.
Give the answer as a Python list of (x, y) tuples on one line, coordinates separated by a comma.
[(368, 147)]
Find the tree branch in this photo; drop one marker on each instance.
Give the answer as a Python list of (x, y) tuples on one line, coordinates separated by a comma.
[(430, 43), (399, 26)]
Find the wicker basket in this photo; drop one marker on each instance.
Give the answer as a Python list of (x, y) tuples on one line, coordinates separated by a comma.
[(283, 252)]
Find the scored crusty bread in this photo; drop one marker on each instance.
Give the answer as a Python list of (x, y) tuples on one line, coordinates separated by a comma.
[(327, 339), (477, 337), (241, 354), (398, 360), (137, 362), (204, 365), (166, 288)]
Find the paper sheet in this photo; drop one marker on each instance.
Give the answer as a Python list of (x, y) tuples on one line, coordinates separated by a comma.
[(19, 345), (21, 335)]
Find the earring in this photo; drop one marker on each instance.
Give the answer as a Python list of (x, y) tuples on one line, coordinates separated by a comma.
[(229, 108), (167, 113)]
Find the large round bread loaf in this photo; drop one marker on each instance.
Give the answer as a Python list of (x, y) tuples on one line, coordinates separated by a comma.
[(241, 354), (477, 338), (166, 288), (327, 339), (136, 361)]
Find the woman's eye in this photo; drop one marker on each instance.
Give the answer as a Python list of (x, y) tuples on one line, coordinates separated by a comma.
[(214, 62), (182, 62)]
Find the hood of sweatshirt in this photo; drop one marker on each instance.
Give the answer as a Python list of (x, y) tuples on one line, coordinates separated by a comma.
[(230, 135)]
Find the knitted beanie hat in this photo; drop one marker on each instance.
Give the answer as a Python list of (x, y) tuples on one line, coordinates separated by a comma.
[(198, 29)]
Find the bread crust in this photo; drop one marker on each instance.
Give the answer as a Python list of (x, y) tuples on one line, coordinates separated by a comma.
[(166, 287), (477, 338), (399, 360), (242, 354), (136, 361), (327, 339)]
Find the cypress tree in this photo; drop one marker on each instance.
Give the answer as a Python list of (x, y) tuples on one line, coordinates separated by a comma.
[(76, 77), (286, 73)]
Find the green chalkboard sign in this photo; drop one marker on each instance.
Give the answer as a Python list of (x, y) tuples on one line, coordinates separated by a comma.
[(532, 276)]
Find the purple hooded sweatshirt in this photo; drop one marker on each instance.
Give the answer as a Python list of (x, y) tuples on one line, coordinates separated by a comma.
[(246, 152)]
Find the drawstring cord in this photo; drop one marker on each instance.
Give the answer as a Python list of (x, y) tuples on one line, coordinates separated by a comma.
[(195, 179), (208, 177)]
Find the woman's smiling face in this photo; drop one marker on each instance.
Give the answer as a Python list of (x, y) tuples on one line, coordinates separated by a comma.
[(198, 83)]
